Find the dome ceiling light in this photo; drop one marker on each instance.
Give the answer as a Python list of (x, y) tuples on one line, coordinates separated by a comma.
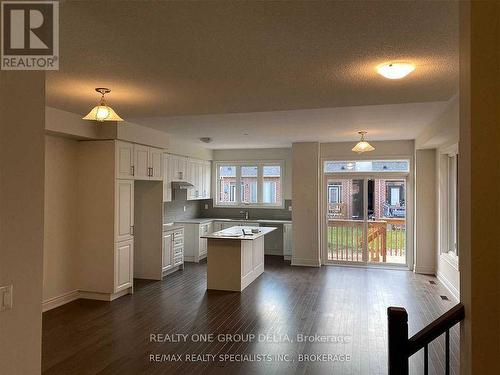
[(102, 112), (362, 145), (395, 70)]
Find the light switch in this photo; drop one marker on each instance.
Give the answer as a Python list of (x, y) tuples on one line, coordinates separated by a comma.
[(289, 208), (184, 208), (5, 297), (206, 206)]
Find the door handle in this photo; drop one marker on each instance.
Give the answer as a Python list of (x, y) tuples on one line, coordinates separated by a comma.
[(132, 230), (132, 170)]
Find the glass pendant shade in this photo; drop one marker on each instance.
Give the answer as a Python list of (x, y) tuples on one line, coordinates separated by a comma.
[(362, 145), (102, 113)]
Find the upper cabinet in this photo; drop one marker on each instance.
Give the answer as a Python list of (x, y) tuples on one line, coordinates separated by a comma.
[(199, 172), (181, 168), (138, 162), (124, 158)]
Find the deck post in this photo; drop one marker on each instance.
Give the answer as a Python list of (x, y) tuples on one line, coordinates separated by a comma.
[(397, 330)]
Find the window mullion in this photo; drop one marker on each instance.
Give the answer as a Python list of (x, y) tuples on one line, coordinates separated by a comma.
[(238, 185)]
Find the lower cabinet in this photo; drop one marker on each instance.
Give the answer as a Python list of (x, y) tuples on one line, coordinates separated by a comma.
[(172, 250), (124, 265), (287, 241)]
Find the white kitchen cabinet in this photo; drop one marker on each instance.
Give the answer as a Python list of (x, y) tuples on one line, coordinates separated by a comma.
[(124, 265), (207, 180), (287, 241), (167, 251), (205, 229), (141, 162), (124, 210), (172, 250), (195, 248), (148, 163), (155, 161), (124, 159), (167, 177), (179, 168)]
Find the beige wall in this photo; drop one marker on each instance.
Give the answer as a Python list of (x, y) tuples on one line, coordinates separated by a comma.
[(305, 201), (262, 154), (181, 147), (61, 200), (479, 174), (425, 211), (22, 144)]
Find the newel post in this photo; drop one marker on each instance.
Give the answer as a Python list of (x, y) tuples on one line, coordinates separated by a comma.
[(397, 329)]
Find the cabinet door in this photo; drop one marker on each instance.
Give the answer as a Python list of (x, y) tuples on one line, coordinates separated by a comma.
[(124, 265), (207, 181), (124, 159), (167, 254), (124, 209), (192, 178), (287, 239), (199, 180), (217, 226), (155, 164), (167, 178), (141, 162)]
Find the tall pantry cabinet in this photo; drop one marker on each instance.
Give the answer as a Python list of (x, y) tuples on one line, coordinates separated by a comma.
[(106, 219)]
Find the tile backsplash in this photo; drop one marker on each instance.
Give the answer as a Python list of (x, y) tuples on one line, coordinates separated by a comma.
[(174, 210), (254, 213)]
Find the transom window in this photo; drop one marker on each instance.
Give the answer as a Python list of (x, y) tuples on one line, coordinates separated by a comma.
[(249, 183)]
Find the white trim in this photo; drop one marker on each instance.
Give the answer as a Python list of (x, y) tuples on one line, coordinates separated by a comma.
[(60, 300), (68, 297), (448, 285), (306, 262), (425, 270)]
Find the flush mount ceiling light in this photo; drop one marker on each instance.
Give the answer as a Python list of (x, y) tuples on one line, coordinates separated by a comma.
[(102, 112), (362, 145), (395, 70)]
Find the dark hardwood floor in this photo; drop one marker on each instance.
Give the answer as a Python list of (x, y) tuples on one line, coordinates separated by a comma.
[(92, 337)]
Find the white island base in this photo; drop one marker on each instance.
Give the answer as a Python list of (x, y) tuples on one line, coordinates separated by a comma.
[(234, 263)]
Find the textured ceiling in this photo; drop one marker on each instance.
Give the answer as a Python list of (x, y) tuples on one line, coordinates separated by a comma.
[(189, 58)]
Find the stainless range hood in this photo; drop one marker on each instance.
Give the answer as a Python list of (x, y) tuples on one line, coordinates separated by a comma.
[(179, 185)]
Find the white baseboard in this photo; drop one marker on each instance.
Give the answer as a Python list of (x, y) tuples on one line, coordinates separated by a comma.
[(449, 286), (306, 262), (63, 299), (287, 257), (425, 270), (189, 258)]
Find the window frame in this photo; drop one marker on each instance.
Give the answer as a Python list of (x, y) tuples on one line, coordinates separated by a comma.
[(260, 183)]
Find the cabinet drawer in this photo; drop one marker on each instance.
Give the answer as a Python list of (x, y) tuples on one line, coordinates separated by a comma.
[(179, 234), (178, 250), (178, 259), (178, 241)]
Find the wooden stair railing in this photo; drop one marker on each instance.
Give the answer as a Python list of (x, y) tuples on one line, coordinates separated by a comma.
[(401, 348)]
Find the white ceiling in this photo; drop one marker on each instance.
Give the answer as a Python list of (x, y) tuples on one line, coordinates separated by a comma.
[(282, 128), (311, 61)]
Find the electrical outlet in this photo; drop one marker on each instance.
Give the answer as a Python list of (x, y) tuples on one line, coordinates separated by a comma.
[(206, 206), (289, 208), (184, 208), (5, 297)]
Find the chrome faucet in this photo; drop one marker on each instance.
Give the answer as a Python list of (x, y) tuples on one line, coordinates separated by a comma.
[(245, 213)]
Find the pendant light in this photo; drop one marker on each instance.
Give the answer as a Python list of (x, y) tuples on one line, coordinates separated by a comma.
[(362, 145), (102, 112)]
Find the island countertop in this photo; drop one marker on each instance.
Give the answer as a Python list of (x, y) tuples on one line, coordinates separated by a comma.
[(236, 233)]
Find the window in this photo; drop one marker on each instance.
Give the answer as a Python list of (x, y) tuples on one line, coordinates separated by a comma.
[(334, 193), (249, 183), (367, 166), (449, 203), (226, 177), (452, 203)]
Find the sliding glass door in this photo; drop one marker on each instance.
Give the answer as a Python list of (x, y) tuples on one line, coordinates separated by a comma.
[(365, 219)]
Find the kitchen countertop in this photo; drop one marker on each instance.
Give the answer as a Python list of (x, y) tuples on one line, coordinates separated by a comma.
[(204, 220), (235, 233), (172, 226)]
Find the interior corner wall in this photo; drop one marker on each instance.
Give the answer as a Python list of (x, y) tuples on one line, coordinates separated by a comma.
[(305, 198), (22, 148), (425, 211), (60, 233)]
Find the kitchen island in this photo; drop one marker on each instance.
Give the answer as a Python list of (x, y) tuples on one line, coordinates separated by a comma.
[(235, 257)]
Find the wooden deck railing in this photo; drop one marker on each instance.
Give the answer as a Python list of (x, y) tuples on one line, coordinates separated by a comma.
[(386, 237), (401, 348)]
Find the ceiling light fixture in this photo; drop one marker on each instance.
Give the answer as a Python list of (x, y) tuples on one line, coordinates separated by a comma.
[(362, 145), (395, 70), (102, 112)]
